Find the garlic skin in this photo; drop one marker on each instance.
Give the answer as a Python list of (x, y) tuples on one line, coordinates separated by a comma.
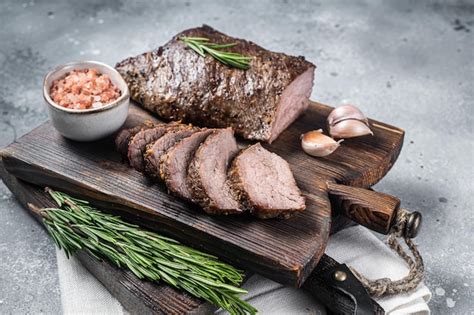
[(349, 129), (348, 121), (315, 143), (346, 112)]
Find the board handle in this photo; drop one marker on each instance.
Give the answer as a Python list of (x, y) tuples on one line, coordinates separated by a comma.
[(374, 210)]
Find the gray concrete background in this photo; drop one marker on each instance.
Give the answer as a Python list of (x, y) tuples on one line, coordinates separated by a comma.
[(408, 63)]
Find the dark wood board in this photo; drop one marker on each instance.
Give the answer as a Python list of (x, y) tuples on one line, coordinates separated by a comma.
[(143, 297), (285, 251), (136, 296)]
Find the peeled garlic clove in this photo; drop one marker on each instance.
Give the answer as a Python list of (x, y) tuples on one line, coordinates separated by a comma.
[(349, 129), (316, 144), (346, 112)]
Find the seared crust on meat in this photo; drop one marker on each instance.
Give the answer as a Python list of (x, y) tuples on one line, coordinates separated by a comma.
[(207, 172), (138, 144), (155, 150), (198, 193), (125, 135), (235, 182), (177, 83), (174, 163)]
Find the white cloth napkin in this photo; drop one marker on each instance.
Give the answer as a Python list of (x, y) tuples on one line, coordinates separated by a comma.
[(81, 293)]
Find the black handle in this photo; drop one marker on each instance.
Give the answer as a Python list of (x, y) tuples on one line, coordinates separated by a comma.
[(335, 286)]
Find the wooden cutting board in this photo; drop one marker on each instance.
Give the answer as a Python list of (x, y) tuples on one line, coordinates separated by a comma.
[(283, 250), (137, 296)]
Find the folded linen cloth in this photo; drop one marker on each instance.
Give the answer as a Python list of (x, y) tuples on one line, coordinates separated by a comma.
[(81, 293)]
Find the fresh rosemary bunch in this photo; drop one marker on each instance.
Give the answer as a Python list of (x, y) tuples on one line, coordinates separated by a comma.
[(75, 225), (201, 45)]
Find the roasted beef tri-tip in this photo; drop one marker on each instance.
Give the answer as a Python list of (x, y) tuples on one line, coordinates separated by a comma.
[(258, 103), (174, 163), (207, 173), (207, 167), (263, 183), (157, 148), (138, 143)]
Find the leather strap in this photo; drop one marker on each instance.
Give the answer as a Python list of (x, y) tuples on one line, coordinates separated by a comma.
[(343, 296)]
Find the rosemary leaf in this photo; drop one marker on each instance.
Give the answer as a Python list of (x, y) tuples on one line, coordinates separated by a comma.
[(197, 49), (76, 225), (201, 45), (220, 46)]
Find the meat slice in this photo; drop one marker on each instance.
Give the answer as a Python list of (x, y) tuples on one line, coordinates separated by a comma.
[(259, 103), (157, 149), (263, 182), (207, 173), (125, 135), (174, 163), (138, 143)]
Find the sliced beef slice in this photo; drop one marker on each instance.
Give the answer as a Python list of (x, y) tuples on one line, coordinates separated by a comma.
[(174, 163), (125, 135), (263, 182), (207, 173), (138, 144), (157, 149)]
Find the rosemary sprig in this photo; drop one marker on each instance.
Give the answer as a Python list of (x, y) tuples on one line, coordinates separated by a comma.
[(201, 45), (75, 225)]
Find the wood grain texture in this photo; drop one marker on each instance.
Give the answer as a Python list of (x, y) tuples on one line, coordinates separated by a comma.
[(285, 251), (359, 162), (136, 296), (143, 297), (369, 208)]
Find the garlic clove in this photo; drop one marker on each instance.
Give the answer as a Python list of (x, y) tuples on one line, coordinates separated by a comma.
[(315, 143), (349, 129), (345, 112)]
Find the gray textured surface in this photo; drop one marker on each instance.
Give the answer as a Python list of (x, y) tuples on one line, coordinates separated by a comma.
[(403, 62)]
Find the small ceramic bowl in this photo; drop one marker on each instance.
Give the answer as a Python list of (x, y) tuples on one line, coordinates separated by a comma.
[(87, 124)]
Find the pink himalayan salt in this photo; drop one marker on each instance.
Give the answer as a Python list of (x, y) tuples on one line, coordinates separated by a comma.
[(83, 89)]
